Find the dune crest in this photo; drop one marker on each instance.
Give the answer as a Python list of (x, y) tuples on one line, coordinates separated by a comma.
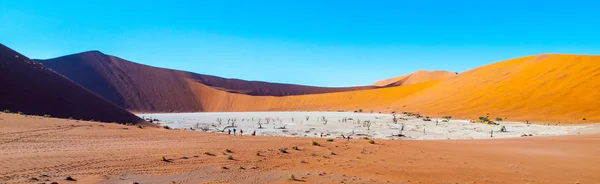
[(415, 78)]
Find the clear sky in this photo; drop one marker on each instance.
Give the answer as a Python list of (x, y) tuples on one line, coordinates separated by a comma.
[(311, 42)]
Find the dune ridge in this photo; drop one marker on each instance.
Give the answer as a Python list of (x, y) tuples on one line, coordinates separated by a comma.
[(31, 88), (143, 88), (415, 78), (549, 88)]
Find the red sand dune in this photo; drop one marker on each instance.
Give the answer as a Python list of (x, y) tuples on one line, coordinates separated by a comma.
[(415, 78), (549, 88), (144, 88), (29, 87)]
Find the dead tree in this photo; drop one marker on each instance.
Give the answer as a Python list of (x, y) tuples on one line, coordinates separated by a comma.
[(367, 124), (282, 127)]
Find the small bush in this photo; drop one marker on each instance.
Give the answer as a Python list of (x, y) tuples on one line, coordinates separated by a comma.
[(47, 115), (584, 119), (6, 111), (229, 157), (257, 153), (20, 113), (329, 140), (445, 120), (166, 127), (371, 141), (315, 143), (283, 150), (426, 119), (295, 148), (140, 126), (228, 151), (484, 119), (292, 177), (69, 178), (163, 159), (492, 123), (208, 153), (499, 119)]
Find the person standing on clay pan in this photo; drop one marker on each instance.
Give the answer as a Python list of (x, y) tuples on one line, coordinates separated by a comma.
[(234, 130), (228, 131), (241, 132)]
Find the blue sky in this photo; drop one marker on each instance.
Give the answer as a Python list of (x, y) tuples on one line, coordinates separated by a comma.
[(324, 43)]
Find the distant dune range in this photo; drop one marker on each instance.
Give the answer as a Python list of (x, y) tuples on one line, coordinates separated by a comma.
[(553, 88), (143, 88), (29, 87)]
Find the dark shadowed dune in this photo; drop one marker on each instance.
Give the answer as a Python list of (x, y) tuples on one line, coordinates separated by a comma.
[(143, 88), (29, 87)]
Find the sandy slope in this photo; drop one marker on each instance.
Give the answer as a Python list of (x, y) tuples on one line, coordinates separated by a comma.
[(550, 88), (415, 78), (558, 89), (31, 88), (51, 149), (144, 88)]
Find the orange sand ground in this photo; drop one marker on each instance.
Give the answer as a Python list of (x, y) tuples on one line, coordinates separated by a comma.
[(36, 149), (557, 89)]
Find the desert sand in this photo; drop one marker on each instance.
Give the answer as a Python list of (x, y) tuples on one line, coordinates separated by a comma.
[(357, 125), (547, 88), (37, 149)]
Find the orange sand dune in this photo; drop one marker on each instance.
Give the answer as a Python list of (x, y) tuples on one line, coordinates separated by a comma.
[(546, 88), (215, 100), (45, 150), (415, 78), (549, 88)]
